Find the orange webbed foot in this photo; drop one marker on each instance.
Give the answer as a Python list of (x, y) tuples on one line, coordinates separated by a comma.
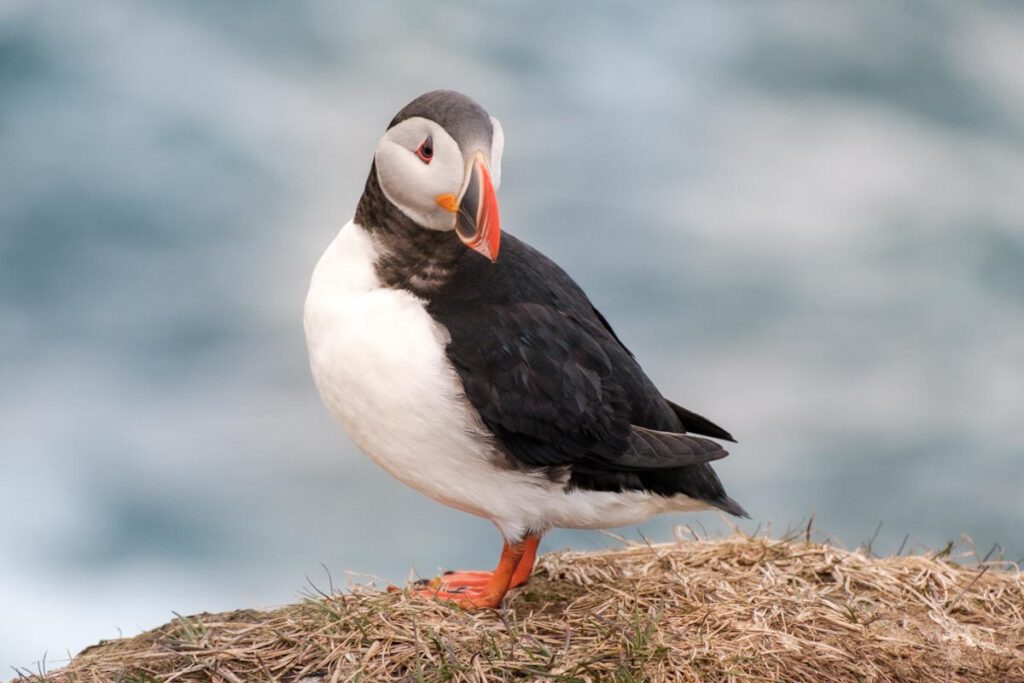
[(483, 590), (465, 598), (453, 582)]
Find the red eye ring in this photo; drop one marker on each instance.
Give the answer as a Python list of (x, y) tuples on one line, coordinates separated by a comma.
[(426, 150)]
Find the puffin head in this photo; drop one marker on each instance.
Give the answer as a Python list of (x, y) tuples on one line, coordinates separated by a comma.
[(440, 163)]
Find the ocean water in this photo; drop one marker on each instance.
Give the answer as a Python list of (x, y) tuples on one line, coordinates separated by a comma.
[(807, 221)]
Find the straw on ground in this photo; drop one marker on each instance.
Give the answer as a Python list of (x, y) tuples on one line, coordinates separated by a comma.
[(735, 609)]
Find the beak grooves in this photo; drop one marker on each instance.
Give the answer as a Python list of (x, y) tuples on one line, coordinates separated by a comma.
[(478, 224)]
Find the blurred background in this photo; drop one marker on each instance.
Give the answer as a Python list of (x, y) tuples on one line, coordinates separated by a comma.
[(807, 221)]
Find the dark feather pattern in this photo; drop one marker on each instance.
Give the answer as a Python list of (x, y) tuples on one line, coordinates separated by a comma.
[(650, 449), (412, 257)]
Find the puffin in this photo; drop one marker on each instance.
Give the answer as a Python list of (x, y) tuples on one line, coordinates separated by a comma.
[(472, 368)]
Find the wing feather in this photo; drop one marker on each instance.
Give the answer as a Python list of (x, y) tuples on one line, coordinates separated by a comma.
[(651, 449), (547, 389)]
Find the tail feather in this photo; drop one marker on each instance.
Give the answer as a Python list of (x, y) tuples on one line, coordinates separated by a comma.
[(727, 504), (698, 424)]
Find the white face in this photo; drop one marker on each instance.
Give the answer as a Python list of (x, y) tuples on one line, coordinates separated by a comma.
[(418, 161)]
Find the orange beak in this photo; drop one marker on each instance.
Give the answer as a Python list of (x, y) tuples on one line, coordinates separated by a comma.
[(477, 223)]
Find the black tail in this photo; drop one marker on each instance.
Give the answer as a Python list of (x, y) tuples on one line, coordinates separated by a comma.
[(698, 424), (729, 505)]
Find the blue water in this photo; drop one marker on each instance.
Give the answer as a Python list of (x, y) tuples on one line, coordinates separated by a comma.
[(806, 221)]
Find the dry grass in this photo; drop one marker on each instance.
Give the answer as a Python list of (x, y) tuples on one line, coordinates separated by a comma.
[(735, 609)]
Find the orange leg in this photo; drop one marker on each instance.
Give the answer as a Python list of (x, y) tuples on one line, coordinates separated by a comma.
[(525, 568), (487, 589)]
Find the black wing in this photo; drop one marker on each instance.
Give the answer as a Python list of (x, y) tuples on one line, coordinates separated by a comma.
[(691, 421), (548, 390)]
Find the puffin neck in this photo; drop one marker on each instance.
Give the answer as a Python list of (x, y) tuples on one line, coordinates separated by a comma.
[(412, 257)]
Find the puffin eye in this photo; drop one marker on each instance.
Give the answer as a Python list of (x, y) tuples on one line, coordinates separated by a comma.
[(426, 149)]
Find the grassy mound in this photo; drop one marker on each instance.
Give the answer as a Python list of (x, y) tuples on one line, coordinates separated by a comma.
[(733, 609)]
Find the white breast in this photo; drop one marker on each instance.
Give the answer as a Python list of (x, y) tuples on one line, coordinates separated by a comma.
[(379, 362)]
